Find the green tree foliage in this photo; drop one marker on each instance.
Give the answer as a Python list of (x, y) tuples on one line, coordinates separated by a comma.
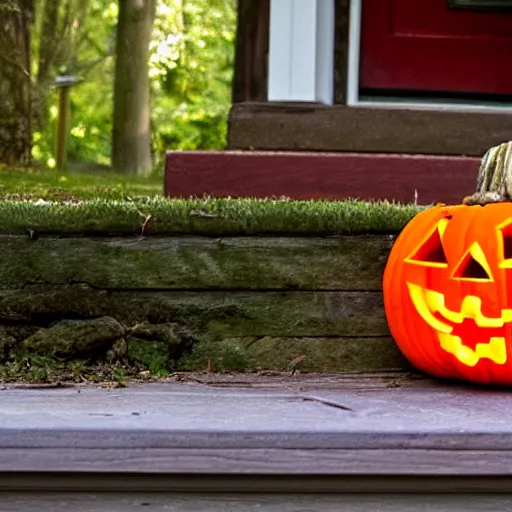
[(191, 67), (82, 44)]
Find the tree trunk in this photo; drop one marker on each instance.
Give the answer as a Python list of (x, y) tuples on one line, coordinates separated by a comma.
[(15, 83), (131, 151), (49, 41)]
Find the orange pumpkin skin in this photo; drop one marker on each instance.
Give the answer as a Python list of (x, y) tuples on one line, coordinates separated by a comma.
[(448, 292)]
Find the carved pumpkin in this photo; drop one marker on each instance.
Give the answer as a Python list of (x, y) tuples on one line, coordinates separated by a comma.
[(448, 292)]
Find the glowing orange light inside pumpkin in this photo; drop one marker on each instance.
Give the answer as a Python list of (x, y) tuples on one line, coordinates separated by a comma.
[(448, 292)]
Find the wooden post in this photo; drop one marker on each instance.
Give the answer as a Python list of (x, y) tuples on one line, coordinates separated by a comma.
[(62, 128), (341, 49), (251, 54), (63, 84)]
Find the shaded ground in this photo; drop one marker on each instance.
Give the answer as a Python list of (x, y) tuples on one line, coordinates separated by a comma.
[(111, 377)]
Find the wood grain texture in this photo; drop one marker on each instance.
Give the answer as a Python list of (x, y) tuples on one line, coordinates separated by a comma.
[(189, 263), (334, 354), (259, 461), (314, 127), (309, 175), (212, 313), (432, 417), (179, 430), (173, 502), (297, 290)]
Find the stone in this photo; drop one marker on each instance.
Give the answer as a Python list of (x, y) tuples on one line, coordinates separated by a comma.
[(70, 338), (158, 346), (170, 333)]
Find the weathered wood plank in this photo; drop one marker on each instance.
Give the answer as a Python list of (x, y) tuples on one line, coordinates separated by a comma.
[(219, 314), (167, 502), (303, 382), (330, 354), (320, 175), (163, 430), (251, 49), (197, 263), (259, 461), (314, 127)]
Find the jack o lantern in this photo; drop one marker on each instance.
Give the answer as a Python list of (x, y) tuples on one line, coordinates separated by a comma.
[(448, 292)]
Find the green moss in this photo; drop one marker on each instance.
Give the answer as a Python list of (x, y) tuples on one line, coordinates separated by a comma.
[(219, 217), (152, 355), (69, 338), (7, 342), (330, 354), (217, 356)]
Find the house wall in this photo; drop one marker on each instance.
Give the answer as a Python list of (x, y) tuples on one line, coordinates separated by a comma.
[(307, 149), (256, 123)]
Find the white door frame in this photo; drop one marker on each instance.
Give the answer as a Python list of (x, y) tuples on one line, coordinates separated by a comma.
[(353, 99), (301, 51)]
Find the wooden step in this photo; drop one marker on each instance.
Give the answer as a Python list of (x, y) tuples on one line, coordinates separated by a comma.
[(375, 428), (215, 502), (320, 175), (289, 444)]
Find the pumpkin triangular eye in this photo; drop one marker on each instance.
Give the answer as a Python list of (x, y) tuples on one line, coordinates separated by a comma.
[(431, 251), (473, 265), (505, 242), (471, 269), (507, 246)]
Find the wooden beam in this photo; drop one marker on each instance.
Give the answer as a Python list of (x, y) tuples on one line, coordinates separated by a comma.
[(210, 315), (294, 502), (314, 127), (185, 263), (307, 175)]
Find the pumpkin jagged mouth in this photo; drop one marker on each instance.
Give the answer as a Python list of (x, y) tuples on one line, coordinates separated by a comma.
[(429, 302)]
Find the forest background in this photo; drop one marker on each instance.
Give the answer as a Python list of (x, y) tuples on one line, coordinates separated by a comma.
[(164, 63)]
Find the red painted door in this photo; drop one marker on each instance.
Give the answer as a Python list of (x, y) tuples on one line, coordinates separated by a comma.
[(423, 45)]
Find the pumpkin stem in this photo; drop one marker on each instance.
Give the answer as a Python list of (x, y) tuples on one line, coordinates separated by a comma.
[(494, 181)]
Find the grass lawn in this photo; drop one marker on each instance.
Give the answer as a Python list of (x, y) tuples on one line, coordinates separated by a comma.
[(52, 184), (106, 203)]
